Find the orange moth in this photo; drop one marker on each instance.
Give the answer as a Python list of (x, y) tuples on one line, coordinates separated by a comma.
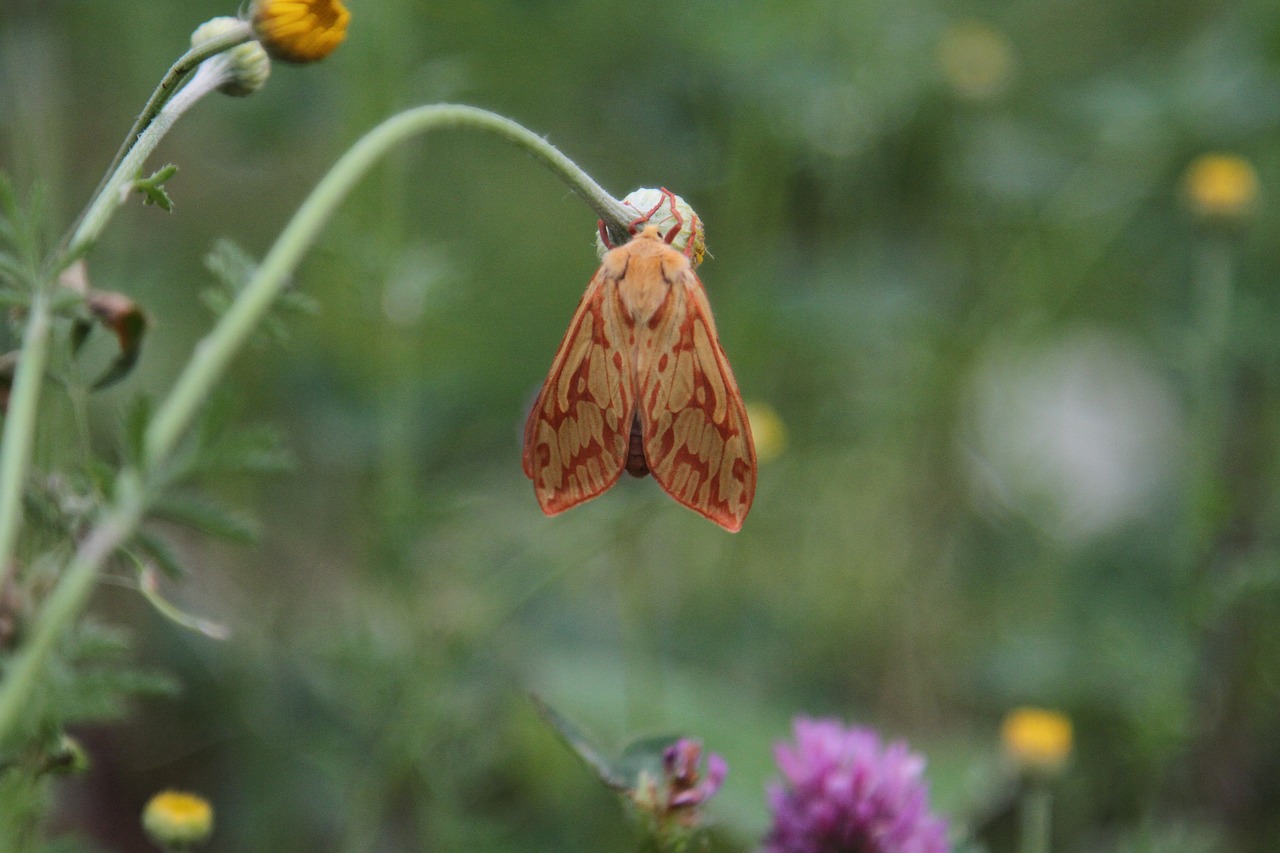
[(640, 383)]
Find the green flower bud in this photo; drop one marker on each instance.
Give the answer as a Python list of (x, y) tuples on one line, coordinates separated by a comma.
[(247, 65), (66, 757), (679, 225)]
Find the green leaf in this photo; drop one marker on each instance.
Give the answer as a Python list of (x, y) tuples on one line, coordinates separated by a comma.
[(124, 318), (63, 301), (230, 264), (233, 267), (20, 228), (13, 272), (97, 676), (604, 770), (161, 553), (10, 210), (8, 367), (217, 445), (10, 299), (209, 516), (137, 418), (150, 586), (152, 188), (252, 450), (80, 331), (644, 756)]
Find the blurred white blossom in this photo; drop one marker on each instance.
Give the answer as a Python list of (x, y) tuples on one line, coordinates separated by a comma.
[(1079, 433)]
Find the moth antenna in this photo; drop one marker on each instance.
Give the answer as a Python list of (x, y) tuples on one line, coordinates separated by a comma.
[(645, 217), (670, 198)]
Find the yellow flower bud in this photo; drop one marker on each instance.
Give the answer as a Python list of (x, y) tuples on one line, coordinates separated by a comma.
[(176, 819), (300, 30), (1221, 186), (677, 222), (1038, 740)]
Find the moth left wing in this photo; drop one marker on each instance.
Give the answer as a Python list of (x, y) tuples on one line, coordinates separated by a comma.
[(577, 434)]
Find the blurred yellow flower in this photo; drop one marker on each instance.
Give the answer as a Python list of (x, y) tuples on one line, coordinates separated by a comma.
[(1221, 186), (1038, 740), (768, 431), (300, 30), (177, 819), (976, 59)]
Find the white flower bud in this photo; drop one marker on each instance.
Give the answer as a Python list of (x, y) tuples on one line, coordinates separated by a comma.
[(679, 225), (246, 66)]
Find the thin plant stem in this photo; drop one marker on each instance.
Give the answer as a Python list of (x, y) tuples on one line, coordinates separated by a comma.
[(19, 427), (178, 72), (1213, 322), (1035, 816), (214, 352), (643, 686), (20, 422), (112, 193), (1210, 373)]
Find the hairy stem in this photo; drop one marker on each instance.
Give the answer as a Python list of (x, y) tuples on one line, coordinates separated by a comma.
[(76, 242), (114, 189), (20, 422), (214, 352)]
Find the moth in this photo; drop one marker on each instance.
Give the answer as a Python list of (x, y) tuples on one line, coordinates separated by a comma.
[(641, 384)]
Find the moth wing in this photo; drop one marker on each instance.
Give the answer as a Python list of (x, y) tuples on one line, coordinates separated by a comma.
[(696, 436), (577, 434)]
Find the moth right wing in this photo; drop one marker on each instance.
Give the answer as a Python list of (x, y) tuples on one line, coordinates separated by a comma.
[(697, 438)]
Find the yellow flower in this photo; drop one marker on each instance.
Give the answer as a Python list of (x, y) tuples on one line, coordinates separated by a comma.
[(175, 819), (767, 430), (1221, 186), (300, 30), (1039, 741)]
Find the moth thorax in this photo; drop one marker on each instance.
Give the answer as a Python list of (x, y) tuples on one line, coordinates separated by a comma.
[(637, 465)]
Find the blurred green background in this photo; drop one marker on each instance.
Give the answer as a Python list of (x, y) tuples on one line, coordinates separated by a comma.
[(1031, 401)]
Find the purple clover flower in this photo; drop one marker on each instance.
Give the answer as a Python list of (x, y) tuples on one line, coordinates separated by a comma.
[(843, 792), (671, 804)]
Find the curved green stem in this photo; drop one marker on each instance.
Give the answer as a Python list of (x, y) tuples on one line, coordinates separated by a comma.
[(114, 189), (212, 355), (188, 62), (214, 352), (19, 426)]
